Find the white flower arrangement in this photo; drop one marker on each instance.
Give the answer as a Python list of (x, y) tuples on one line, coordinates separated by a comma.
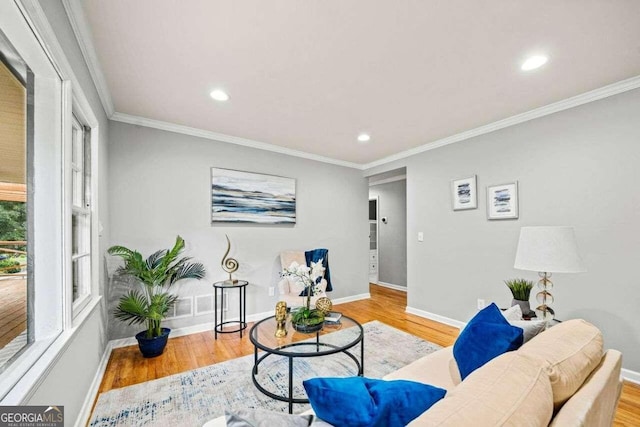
[(309, 277)]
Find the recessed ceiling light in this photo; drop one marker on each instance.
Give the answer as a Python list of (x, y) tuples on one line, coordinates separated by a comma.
[(534, 62), (363, 137), (219, 95)]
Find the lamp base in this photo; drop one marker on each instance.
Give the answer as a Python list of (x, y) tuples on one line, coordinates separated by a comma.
[(544, 312)]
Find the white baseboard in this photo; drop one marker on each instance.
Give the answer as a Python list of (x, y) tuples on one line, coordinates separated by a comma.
[(392, 286), (92, 393), (631, 376), (351, 298), (436, 317)]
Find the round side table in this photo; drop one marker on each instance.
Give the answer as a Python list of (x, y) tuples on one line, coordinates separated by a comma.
[(219, 288)]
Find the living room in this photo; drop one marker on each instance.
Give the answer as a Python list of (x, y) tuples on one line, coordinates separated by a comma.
[(570, 154)]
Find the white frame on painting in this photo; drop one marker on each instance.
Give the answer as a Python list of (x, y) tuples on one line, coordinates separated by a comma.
[(460, 200), (502, 201), (247, 197)]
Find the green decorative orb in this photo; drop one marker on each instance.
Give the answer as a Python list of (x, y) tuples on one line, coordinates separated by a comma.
[(324, 304)]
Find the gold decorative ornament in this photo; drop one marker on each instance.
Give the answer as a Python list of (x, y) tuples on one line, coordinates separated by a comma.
[(281, 319), (324, 304), (229, 265)]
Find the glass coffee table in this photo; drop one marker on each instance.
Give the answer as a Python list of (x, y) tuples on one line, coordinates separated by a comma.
[(331, 340)]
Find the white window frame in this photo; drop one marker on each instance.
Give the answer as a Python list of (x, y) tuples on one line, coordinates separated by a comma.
[(58, 95), (77, 108)]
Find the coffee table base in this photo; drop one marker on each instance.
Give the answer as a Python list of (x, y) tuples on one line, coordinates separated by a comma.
[(290, 399)]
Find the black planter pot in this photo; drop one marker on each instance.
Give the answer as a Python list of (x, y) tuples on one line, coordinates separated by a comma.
[(152, 347), (307, 329)]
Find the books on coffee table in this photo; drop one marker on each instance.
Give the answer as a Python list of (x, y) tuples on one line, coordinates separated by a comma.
[(332, 317)]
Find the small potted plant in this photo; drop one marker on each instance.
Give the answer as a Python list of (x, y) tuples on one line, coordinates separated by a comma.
[(307, 319), (151, 302), (521, 291)]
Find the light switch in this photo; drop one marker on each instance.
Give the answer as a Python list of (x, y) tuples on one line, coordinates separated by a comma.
[(420, 236)]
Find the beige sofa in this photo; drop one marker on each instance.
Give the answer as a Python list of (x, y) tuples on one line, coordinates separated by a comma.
[(560, 378)]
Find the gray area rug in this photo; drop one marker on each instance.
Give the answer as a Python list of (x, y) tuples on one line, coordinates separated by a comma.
[(195, 397)]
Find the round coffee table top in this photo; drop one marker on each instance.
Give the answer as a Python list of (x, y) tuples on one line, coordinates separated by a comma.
[(333, 338)]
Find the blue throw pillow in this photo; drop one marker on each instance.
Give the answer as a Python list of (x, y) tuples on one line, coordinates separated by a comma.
[(487, 335), (362, 402)]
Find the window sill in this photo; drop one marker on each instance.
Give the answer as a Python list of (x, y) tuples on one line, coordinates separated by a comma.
[(21, 380)]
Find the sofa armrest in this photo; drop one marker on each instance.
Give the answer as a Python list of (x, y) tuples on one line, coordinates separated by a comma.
[(595, 402)]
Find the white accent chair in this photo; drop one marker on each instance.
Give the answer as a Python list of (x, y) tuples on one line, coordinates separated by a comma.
[(290, 289)]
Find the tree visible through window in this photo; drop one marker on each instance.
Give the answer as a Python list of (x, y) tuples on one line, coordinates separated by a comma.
[(13, 212)]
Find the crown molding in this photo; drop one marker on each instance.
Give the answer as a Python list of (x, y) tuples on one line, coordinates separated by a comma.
[(200, 133), (84, 37), (565, 104)]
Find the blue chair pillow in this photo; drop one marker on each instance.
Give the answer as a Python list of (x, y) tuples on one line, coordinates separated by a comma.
[(487, 335), (360, 402)]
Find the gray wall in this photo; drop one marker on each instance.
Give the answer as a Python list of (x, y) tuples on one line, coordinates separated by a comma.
[(392, 236), (577, 167), (69, 379), (160, 187)]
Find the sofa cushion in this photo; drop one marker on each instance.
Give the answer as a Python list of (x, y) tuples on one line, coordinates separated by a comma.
[(429, 370), (487, 335), (530, 328), (358, 401), (510, 390), (568, 352), (513, 313)]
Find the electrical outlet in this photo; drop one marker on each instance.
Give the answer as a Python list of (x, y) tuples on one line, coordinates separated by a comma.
[(481, 304), (272, 291)]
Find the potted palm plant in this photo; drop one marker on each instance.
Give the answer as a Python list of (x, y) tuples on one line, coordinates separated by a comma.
[(149, 303), (521, 291)]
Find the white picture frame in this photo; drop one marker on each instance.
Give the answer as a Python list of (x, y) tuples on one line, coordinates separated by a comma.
[(502, 201), (464, 193)]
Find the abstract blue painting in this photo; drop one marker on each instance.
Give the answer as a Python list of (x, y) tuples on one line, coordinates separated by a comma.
[(245, 197), (502, 201), (464, 194)]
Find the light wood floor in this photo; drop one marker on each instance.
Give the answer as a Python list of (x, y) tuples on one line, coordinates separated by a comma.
[(13, 309), (126, 366)]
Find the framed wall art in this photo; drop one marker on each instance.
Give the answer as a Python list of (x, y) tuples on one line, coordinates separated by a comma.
[(464, 194), (502, 201), (246, 197)]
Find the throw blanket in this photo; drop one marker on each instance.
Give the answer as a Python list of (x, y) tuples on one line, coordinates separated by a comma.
[(315, 255)]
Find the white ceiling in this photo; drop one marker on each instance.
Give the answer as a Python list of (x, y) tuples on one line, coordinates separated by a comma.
[(311, 75)]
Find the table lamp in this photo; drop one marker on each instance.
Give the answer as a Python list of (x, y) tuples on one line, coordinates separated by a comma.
[(547, 250)]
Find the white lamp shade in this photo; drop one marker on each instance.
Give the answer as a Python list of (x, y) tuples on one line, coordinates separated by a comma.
[(548, 249)]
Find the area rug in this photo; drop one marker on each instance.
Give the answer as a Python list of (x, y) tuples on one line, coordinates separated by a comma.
[(194, 397)]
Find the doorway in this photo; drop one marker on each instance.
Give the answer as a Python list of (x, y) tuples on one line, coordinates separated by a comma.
[(388, 229)]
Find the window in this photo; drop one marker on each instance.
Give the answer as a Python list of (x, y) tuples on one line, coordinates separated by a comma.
[(80, 215), (14, 292), (48, 140), (31, 159)]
